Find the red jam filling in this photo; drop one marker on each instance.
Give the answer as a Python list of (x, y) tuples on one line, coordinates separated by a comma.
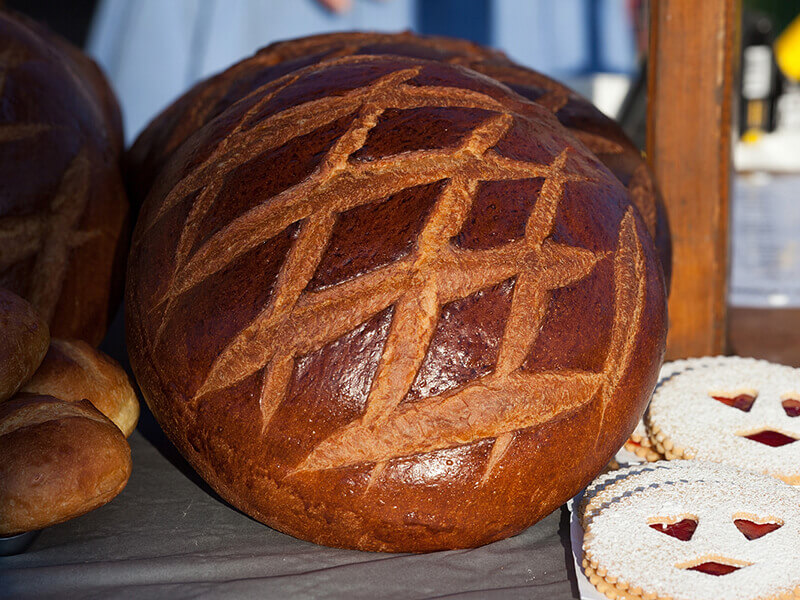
[(792, 407), (743, 402), (683, 530), (752, 530), (771, 438), (714, 568)]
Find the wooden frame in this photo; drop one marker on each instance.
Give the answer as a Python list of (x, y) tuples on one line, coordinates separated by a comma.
[(690, 90)]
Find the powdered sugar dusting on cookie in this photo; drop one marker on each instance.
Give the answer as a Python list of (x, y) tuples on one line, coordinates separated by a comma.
[(688, 421), (611, 487), (622, 547), (669, 369)]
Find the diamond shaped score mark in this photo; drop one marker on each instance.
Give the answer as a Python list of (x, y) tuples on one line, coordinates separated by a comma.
[(52, 234), (416, 286)]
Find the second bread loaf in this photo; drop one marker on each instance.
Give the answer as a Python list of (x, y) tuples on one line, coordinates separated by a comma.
[(60, 460), (72, 370)]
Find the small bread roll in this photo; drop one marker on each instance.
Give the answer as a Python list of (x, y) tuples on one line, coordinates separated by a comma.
[(23, 342), (59, 460), (72, 370)]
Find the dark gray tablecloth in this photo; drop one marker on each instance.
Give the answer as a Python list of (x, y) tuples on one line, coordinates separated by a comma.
[(167, 535)]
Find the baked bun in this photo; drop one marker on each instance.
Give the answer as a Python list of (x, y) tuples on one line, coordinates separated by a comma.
[(23, 342), (72, 370), (60, 460), (387, 304), (209, 98), (62, 203)]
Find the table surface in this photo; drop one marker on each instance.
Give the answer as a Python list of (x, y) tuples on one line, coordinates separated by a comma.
[(168, 535)]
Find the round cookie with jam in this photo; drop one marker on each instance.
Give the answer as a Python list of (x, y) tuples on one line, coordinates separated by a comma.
[(639, 442), (693, 530), (739, 412)]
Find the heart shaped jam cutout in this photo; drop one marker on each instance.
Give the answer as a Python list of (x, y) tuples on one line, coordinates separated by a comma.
[(792, 407), (770, 438), (714, 568), (753, 530), (683, 530), (743, 402)]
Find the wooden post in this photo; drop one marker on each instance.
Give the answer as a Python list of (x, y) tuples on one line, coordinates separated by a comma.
[(690, 91)]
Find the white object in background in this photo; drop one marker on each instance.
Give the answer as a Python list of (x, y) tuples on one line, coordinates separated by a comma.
[(757, 72), (765, 236), (609, 91), (606, 91), (765, 223), (777, 152), (787, 112)]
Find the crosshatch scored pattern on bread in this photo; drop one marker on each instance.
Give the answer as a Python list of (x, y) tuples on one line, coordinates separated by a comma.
[(372, 387)]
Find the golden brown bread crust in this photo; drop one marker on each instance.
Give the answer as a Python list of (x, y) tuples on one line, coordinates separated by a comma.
[(211, 97), (73, 370), (386, 304), (60, 460), (62, 205), (23, 342)]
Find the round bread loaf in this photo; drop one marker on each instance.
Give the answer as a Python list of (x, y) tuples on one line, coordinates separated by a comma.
[(23, 342), (387, 304), (62, 204), (87, 71), (73, 370), (211, 97), (60, 460)]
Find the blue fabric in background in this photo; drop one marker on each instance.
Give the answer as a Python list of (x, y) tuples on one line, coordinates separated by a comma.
[(467, 19), (564, 38), (153, 50), (547, 35)]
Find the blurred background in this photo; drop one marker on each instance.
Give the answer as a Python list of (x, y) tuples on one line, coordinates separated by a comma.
[(153, 50)]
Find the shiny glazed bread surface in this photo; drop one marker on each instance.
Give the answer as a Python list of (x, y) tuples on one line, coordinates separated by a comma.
[(384, 303), (211, 97), (73, 370), (60, 460)]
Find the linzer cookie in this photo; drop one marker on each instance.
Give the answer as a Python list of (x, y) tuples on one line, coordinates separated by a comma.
[(639, 442), (610, 487), (739, 412), (695, 530)]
